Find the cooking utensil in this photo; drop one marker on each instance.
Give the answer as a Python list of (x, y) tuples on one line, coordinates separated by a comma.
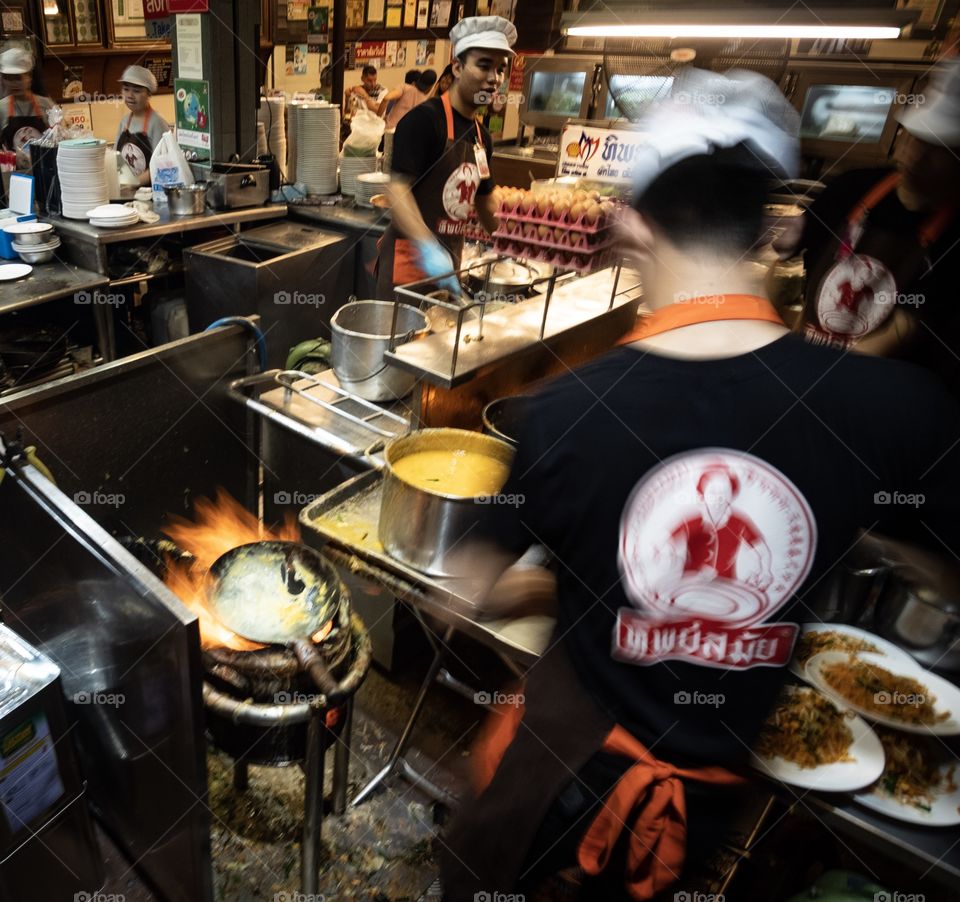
[(422, 528), (187, 200), (502, 418), (278, 593), (360, 333), (509, 281), (30, 233), (916, 618), (34, 254)]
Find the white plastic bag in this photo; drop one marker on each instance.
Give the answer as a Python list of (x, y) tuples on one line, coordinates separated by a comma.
[(366, 130), (168, 168)]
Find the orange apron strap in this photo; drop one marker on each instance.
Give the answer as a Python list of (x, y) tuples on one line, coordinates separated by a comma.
[(702, 310), (876, 194), (496, 734), (448, 110)]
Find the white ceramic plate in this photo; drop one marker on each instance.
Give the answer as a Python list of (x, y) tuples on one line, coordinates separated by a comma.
[(944, 806), (841, 776), (947, 695), (885, 648), (27, 228), (111, 211), (10, 271)]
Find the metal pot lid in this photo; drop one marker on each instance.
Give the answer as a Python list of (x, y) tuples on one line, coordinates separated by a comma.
[(273, 592)]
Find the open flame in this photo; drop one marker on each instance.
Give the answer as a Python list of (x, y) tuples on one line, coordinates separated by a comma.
[(218, 526)]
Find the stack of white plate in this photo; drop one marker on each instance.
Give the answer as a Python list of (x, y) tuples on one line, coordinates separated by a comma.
[(318, 145), (261, 139), (113, 216), (271, 115), (388, 149), (350, 168), (369, 184), (290, 173), (83, 177)]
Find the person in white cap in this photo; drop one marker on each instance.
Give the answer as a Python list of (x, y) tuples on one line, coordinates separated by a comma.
[(141, 130), (441, 163), (882, 246), (673, 482), (23, 114)]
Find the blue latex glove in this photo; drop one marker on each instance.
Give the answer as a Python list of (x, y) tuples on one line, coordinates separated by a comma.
[(435, 261)]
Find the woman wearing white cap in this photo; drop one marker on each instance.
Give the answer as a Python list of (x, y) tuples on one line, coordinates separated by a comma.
[(23, 114), (139, 133), (441, 163)]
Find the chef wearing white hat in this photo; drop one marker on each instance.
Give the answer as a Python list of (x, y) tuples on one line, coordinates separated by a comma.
[(23, 114), (441, 163), (882, 246), (139, 132)]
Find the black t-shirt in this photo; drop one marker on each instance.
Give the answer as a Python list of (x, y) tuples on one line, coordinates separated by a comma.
[(859, 438), (932, 295), (422, 135)]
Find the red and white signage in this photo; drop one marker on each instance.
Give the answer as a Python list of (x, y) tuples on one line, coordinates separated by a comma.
[(188, 6), (155, 9), (712, 543)]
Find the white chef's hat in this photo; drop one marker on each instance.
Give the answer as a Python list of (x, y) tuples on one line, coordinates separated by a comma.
[(486, 32), (937, 120), (16, 61), (139, 76), (708, 111)]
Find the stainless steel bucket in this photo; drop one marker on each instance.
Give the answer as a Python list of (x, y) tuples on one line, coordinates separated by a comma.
[(424, 529), (187, 200), (360, 333)]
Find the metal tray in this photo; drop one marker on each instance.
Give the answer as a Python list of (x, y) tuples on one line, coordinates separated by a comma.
[(345, 519)]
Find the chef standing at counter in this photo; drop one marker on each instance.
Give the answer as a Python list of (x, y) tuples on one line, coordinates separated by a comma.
[(672, 481), (141, 130), (882, 246), (23, 114), (441, 157)]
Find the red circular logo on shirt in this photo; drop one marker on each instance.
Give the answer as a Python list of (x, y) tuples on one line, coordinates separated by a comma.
[(24, 134), (715, 534), (856, 295), (460, 190), (134, 157)]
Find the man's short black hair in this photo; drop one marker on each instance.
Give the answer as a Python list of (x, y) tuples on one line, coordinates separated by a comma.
[(368, 70), (411, 77), (710, 200), (426, 80)]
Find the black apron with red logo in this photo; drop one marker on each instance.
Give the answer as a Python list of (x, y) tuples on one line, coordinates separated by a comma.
[(21, 129), (857, 284), (135, 147), (446, 196)]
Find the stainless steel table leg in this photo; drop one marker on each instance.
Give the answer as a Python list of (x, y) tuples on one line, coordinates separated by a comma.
[(312, 805), (439, 654), (103, 327), (341, 762)]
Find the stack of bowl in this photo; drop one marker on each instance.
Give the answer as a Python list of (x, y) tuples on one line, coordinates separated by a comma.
[(34, 242), (368, 184)]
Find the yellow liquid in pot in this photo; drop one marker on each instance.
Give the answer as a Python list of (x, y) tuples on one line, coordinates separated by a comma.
[(462, 473)]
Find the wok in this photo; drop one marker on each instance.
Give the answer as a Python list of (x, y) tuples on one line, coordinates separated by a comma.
[(278, 593)]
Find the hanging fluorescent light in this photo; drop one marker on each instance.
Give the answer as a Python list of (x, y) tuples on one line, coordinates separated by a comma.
[(856, 24), (837, 32)]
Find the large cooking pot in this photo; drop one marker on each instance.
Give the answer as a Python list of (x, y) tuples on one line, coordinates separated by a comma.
[(502, 418), (360, 334), (422, 528)]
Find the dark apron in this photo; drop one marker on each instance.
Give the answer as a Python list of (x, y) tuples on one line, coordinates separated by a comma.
[(135, 147), (857, 283), (445, 196), (488, 843), (20, 129)]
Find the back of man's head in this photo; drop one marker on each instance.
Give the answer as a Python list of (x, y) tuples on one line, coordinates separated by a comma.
[(411, 77), (711, 201), (708, 154)]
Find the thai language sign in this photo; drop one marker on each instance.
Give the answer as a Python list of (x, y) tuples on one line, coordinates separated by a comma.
[(600, 154)]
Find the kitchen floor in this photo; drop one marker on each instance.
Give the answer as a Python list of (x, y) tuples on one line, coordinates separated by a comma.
[(380, 850)]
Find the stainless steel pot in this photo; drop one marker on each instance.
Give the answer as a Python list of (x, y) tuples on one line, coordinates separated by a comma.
[(921, 622), (187, 200), (509, 280), (360, 332), (425, 529)]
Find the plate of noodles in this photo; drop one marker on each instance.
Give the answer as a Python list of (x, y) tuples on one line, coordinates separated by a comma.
[(808, 741), (919, 783), (898, 694), (820, 637)]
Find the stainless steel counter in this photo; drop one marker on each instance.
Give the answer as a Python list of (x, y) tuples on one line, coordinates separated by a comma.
[(48, 282), (361, 219), (167, 225)]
